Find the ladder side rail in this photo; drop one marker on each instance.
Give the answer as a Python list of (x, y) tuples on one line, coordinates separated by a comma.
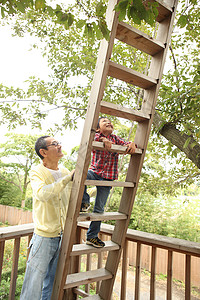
[(156, 68), (134, 171), (75, 264), (84, 154)]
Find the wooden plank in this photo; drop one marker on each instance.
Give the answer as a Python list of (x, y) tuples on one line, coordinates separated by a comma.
[(138, 271), (93, 297), (13, 279), (123, 112), (124, 271), (169, 275), (12, 232), (77, 279), (188, 277), (88, 268), (138, 39), (153, 274), (110, 183), (79, 249), (99, 265), (164, 242), (164, 10), (2, 246), (130, 76), (101, 217), (114, 148), (80, 292)]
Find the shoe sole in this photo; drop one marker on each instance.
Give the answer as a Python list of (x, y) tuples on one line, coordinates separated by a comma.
[(85, 209), (96, 246)]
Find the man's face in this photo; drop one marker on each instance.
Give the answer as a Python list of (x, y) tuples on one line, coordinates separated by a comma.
[(105, 126), (54, 149)]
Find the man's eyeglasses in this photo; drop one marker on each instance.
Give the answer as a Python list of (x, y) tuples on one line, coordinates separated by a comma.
[(54, 144)]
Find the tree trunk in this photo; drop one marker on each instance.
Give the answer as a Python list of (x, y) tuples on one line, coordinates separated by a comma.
[(177, 138)]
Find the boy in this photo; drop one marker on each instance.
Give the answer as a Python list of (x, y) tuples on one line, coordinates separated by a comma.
[(104, 166)]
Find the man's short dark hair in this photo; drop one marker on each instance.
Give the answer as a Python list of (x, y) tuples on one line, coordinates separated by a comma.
[(41, 144)]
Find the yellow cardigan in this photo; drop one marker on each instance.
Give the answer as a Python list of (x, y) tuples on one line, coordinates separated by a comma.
[(50, 200)]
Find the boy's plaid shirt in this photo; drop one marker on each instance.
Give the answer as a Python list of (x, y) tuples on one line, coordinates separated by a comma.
[(105, 163)]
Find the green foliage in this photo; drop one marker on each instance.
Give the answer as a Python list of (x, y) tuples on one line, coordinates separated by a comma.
[(137, 11), (7, 266), (9, 193), (17, 156), (176, 217)]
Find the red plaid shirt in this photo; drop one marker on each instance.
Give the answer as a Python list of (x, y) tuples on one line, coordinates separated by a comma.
[(105, 163)]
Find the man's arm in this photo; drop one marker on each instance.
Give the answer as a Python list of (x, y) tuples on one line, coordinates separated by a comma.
[(43, 191)]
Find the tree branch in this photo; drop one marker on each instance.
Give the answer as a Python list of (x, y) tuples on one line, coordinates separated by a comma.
[(178, 139), (9, 181)]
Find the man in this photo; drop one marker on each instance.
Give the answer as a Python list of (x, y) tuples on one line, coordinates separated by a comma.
[(51, 187)]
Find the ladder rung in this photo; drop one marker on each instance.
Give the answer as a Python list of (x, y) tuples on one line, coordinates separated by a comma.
[(110, 183), (123, 112), (93, 297), (114, 148), (128, 75), (138, 39), (81, 293), (164, 10), (79, 249), (101, 217), (77, 279)]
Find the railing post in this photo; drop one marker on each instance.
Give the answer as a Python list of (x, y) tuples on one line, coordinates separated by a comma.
[(13, 279), (187, 277), (2, 245), (138, 271), (100, 258), (169, 274), (124, 271), (153, 273)]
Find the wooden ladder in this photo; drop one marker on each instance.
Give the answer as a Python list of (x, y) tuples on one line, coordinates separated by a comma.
[(157, 49)]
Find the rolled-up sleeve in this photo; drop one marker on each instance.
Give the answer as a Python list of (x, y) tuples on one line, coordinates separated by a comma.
[(43, 191)]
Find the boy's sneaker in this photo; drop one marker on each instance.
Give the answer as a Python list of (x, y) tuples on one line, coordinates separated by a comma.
[(85, 207), (95, 242)]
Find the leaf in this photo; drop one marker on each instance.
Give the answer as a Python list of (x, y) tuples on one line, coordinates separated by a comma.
[(134, 15), (20, 6), (187, 143), (122, 5), (50, 11), (183, 20), (63, 18), (100, 9), (39, 4), (193, 145), (70, 19), (104, 29), (3, 12), (80, 23), (121, 8)]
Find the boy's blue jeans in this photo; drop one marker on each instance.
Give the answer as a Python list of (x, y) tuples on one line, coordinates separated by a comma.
[(100, 202), (41, 268)]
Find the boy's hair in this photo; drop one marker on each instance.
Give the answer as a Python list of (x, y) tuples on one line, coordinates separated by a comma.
[(99, 121), (41, 144)]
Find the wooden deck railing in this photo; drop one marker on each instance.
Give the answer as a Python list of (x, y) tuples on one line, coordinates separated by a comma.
[(156, 242)]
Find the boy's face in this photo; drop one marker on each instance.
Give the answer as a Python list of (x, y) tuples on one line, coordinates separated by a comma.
[(105, 126)]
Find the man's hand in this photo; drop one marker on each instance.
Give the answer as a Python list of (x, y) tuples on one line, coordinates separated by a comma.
[(131, 148)]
